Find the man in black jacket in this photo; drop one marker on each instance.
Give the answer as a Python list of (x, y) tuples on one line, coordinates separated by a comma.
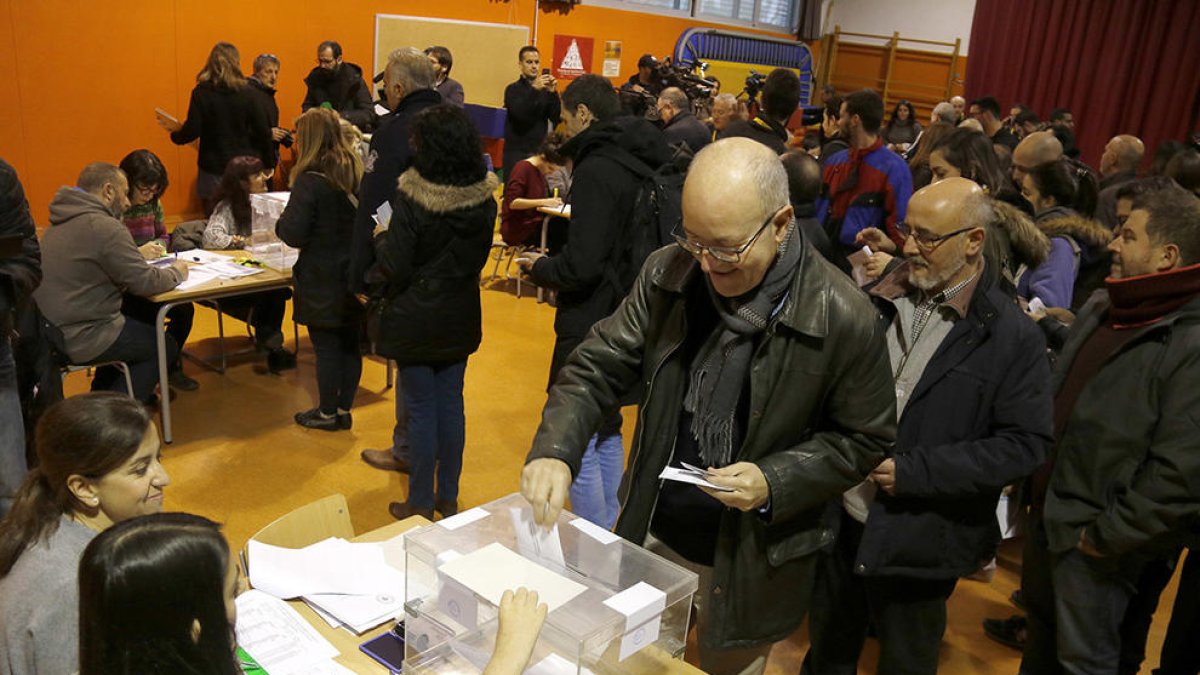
[(680, 126), (780, 97), (761, 363), (340, 85), (20, 273), (602, 198), (973, 399), (408, 87), (532, 106), (262, 92)]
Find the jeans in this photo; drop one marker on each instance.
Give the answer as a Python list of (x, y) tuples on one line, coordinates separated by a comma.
[(12, 430), (594, 491), (1091, 595), (136, 347), (339, 365), (437, 431), (400, 431), (263, 311), (179, 320), (909, 614)]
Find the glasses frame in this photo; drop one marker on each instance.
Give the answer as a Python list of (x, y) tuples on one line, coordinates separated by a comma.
[(724, 254), (930, 244)]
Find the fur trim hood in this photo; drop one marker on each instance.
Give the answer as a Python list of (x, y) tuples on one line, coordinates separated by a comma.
[(1086, 232), (439, 198), (1028, 244)]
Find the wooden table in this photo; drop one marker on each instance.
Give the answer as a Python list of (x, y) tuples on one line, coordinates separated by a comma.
[(268, 279), (647, 661)]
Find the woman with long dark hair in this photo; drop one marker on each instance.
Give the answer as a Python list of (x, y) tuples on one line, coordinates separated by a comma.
[(156, 595), (427, 277), (224, 117), (230, 227), (319, 220), (144, 219), (98, 464), (902, 127), (526, 189)]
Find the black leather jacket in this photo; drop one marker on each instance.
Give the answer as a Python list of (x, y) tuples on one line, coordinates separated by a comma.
[(821, 413)]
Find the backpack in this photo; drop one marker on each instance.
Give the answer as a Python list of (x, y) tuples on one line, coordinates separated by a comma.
[(657, 209)]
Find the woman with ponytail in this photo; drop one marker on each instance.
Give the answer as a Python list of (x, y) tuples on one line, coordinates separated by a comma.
[(98, 464)]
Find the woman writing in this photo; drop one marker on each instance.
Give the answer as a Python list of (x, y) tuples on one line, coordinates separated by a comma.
[(319, 220), (224, 117), (98, 464), (427, 275), (230, 228), (526, 190)]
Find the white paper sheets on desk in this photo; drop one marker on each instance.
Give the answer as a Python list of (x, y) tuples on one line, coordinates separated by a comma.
[(221, 268), (493, 569), (280, 639), (333, 566)]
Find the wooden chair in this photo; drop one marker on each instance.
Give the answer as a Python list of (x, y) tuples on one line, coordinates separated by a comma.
[(309, 524)]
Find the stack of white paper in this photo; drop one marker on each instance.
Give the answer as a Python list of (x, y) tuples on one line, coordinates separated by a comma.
[(280, 639), (356, 585)]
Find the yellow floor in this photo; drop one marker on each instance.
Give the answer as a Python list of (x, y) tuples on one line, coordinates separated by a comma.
[(240, 459)]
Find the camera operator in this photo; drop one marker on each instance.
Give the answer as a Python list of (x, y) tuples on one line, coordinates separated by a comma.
[(780, 98), (640, 94), (680, 126)]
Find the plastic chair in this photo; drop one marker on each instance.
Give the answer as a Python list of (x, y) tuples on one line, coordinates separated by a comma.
[(308, 524)]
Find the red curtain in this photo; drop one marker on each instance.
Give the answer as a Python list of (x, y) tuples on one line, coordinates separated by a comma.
[(1121, 66)]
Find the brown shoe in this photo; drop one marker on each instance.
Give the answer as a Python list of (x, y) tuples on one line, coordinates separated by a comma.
[(446, 508), (402, 510), (384, 460)]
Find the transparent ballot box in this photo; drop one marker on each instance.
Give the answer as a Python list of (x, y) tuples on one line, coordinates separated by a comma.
[(265, 245), (614, 607)]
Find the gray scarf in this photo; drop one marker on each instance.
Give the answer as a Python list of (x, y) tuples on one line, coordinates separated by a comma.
[(719, 369)]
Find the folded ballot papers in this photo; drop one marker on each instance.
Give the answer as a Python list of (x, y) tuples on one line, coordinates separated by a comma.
[(358, 586)]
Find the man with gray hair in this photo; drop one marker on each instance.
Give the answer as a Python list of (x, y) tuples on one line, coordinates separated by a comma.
[(408, 88), (89, 261), (680, 126), (725, 109), (972, 393), (763, 364), (960, 108), (262, 91), (944, 112)]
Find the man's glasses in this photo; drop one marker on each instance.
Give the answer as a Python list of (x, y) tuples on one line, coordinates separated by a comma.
[(724, 254), (926, 241)]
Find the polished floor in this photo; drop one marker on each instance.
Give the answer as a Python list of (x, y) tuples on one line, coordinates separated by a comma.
[(240, 459)]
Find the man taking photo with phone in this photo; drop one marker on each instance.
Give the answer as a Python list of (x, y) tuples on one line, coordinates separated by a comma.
[(533, 108)]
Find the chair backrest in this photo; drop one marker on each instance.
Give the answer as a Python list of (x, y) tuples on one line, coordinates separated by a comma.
[(313, 522)]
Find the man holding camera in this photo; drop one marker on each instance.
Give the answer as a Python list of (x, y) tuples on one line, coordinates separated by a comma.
[(780, 98), (533, 108)]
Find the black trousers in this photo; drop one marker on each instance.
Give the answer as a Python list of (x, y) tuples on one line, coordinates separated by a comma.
[(909, 615), (137, 348), (339, 365), (179, 319), (263, 311)]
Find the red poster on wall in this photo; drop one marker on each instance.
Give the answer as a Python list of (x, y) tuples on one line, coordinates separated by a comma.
[(572, 56)]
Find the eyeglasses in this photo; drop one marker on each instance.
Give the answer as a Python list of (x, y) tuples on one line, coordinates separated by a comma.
[(724, 254), (925, 241), (146, 190)]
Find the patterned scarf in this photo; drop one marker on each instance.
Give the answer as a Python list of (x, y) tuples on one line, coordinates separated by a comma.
[(719, 369)]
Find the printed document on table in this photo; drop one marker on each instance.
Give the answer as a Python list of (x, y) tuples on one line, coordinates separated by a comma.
[(278, 637), (493, 569)]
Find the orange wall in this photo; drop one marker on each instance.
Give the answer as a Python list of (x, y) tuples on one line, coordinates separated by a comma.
[(79, 81)]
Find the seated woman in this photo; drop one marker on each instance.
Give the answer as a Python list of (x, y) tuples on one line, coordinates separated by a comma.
[(158, 594), (902, 128), (229, 228), (98, 464), (144, 218), (526, 190)]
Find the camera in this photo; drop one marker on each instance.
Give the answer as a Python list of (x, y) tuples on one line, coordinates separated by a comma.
[(754, 84)]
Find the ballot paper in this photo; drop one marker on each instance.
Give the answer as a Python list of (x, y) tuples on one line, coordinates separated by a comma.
[(197, 275), (534, 541), (858, 265), (358, 613), (279, 639), (692, 476), (327, 567), (494, 569), (383, 215)]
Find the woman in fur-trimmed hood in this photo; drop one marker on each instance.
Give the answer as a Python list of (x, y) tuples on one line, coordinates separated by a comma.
[(1063, 194), (427, 264)]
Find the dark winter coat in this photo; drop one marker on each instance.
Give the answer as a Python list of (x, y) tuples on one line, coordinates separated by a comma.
[(427, 269), (685, 128), (319, 220), (529, 113), (264, 97), (228, 123), (21, 272), (344, 90)]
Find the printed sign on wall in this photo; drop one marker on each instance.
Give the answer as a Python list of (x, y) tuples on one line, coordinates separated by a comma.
[(572, 56), (612, 58)]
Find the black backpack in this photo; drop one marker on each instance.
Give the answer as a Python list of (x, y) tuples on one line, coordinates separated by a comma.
[(657, 209)]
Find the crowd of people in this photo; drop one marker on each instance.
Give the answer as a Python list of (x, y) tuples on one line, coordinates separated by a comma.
[(864, 334)]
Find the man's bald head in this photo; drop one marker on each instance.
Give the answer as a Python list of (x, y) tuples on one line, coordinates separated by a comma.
[(952, 216), (736, 176), (960, 202), (671, 102), (1036, 149), (1122, 153)]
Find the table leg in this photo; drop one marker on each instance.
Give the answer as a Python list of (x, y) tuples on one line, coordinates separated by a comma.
[(164, 386), (541, 294)]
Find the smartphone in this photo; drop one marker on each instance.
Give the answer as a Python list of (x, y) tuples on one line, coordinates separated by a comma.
[(545, 71), (387, 649)]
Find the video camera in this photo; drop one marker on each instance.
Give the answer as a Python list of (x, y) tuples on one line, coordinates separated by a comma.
[(754, 84), (683, 76)]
